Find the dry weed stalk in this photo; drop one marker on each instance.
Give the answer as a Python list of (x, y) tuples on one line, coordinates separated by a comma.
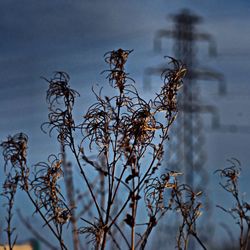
[(127, 135), (240, 212), (124, 129), (14, 152), (188, 204), (9, 192), (182, 199)]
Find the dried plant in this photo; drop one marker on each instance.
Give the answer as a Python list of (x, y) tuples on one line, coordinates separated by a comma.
[(188, 205), (14, 152), (181, 199), (60, 118), (124, 129), (18, 175), (9, 192), (47, 191), (240, 212), (126, 135)]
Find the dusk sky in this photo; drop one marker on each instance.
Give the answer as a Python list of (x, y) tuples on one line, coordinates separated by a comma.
[(40, 37)]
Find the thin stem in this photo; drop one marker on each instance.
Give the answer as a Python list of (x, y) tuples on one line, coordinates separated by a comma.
[(123, 170), (70, 196), (111, 185), (46, 221), (85, 178), (133, 218), (247, 237), (9, 218), (34, 232), (199, 241), (141, 181)]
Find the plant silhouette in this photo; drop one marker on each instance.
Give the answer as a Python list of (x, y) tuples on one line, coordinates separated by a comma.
[(127, 135)]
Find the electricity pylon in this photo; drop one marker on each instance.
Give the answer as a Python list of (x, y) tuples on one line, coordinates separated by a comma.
[(185, 152), (187, 140)]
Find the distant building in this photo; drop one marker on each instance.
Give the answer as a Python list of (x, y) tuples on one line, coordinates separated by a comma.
[(28, 245)]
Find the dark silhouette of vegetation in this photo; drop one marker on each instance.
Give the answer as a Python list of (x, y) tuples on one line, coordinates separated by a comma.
[(127, 135), (241, 210)]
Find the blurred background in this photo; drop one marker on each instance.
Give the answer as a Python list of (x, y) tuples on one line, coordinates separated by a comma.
[(38, 38)]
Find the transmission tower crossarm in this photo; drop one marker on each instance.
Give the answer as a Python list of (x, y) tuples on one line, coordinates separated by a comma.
[(162, 34), (207, 38), (204, 109), (206, 74), (198, 108), (151, 71), (154, 70), (215, 119)]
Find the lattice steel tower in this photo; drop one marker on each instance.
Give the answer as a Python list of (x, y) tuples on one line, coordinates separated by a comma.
[(186, 151), (186, 146)]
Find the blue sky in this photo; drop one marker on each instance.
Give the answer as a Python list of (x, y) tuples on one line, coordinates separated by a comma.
[(40, 37)]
